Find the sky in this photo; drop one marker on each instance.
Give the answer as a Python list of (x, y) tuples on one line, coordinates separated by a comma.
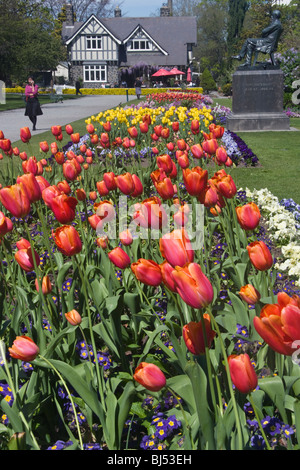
[(140, 7)]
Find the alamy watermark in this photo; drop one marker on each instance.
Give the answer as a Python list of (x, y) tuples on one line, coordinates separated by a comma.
[(296, 94), (151, 221), (2, 92)]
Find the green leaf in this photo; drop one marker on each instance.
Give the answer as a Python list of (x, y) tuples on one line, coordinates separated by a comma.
[(273, 386)]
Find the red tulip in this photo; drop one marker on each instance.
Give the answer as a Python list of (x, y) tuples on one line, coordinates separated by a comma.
[(150, 213), (49, 193), (24, 348), (260, 255), (195, 180), (6, 225), (248, 216), (221, 155), (126, 238), (107, 126), (95, 222), (157, 129), (15, 199), (144, 127), (119, 257), (147, 271), (67, 240), (42, 182), (210, 146), (44, 146), (75, 138), (125, 183), (59, 157), (192, 285), (109, 179), (195, 126), (102, 188), (54, 148), (64, 187), (165, 163), (25, 259), (138, 187), (279, 324), (71, 169), (25, 134), (105, 210), (176, 248), (166, 271), (194, 338), (30, 166), (5, 145), (197, 151), (69, 129), (150, 376), (181, 144), (90, 128), (175, 126), (242, 373), (63, 208), (56, 130), (209, 196), (165, 132), (133, 132), (163, 184), (182, 158), (249, 294), (73, 317)]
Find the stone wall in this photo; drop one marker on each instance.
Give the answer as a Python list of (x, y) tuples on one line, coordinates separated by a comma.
[(76, 73)]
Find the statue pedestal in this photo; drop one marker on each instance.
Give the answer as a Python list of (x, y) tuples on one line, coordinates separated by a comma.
[(257, 100)]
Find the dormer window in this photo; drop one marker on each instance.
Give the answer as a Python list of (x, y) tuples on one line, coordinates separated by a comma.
[(139, 45), (93, 42)]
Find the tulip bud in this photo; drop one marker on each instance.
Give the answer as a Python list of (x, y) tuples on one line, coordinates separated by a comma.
[(150, 376), (24, 349), (73, 317), (194, 337), (242, 373), (249, 294)]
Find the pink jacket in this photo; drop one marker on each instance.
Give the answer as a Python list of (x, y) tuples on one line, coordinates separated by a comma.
[(29, 92)]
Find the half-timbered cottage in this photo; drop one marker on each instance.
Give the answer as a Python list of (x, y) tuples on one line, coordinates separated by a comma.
[(105, 51)]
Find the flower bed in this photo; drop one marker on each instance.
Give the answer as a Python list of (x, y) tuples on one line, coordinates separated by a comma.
[(142, 307)]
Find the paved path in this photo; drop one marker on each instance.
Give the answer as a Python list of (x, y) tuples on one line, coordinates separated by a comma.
[(58, 113)]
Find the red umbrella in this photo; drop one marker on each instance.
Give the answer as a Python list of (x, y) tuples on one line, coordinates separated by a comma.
[(175, 71), (189, 75), (161, 73)]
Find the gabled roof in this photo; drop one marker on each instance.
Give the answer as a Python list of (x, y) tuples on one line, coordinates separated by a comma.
[(139, 27), (170, 33)]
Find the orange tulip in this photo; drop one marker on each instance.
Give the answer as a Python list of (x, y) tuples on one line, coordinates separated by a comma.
[(138, 186), (165, 163), (46, 285), (279, 324), (242, 373), (166, 272), (67, 240), (221, 155), (90, 128), (133, 132), (15, 199), (195, 180), (195, 126), (24, 348), (126, 238), (249, 294), (150, 213), (25, 134), (63, 208), (73, 317), (210, 146), (176, 248), (75, 138), (197, 151), (150, 376), (6, 225), (144, 127), (69, 129), (44, 146), (194, 338), (102, 188), (192, 285), (25, 259), (56, 130), (31, 186), (248, 216), (163, 184), (125, 183), (109, 179), (71, 169), (119, 257), (147, 271), (5, 145), (260, 255)]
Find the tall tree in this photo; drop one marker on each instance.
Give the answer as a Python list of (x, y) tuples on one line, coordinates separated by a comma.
[(83, 8), (27, 42), (236, 14)]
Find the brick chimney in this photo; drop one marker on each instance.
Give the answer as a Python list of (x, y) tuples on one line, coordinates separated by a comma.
[(118, 12), (166, 9), (69, 14)]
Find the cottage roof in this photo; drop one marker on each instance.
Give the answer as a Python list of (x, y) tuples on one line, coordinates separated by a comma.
[(171, 33)]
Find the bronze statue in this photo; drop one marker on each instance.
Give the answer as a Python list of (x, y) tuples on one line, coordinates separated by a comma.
[(267, 44)]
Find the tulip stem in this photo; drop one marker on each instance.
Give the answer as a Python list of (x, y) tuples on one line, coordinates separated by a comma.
[(70, 397), (188, 427), (208, 363), (237, 420), (259, 421)]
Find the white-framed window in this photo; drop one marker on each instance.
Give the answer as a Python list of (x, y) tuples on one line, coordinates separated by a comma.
[(93, 42), (95, 73), (140, 45)]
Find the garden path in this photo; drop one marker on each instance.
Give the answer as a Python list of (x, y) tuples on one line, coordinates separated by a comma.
[(58, 113)]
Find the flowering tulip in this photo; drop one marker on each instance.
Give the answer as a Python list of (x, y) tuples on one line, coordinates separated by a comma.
[(25, 134), (109, 179), (105, 210), (182, 159), (95, 222), (157, 129), (165, 163), (49, 193), (31, 186), (166, 270), (44, 146), (195, 180), (125, 183), (102, 242), (59, 157), (5, 145), (119, 257), (248, 216), (260, 255), (138, 186), (126, 238), (42, 182), (221, 155), (150, 376), (90, 128), (195, 126), (147, 271), (175, 126), (249, 294), (144, 127), (181, 144), (54, 148), (73, 317), (176, 248), (165, 132), (194, 338), (210, 146), (6, 225), (150, 213), (216, 131), (24, 348), (242, 373), (25, 259), (64, 187), (192, 285), (71, 169), (163, 184), (69, 129), (56, 130), (15, 199), (30, 165), (279, 324), (67, 240), (227, 187), (102, 188), (75, 137), (63, 208), (133, 132), (23, 156), (209, 196), (46, 285), (197, 151)]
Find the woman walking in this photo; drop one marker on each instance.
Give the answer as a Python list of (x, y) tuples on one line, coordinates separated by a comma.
[(33, 108)]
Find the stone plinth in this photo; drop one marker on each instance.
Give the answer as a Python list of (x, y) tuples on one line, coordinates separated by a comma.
[(257, 100)]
